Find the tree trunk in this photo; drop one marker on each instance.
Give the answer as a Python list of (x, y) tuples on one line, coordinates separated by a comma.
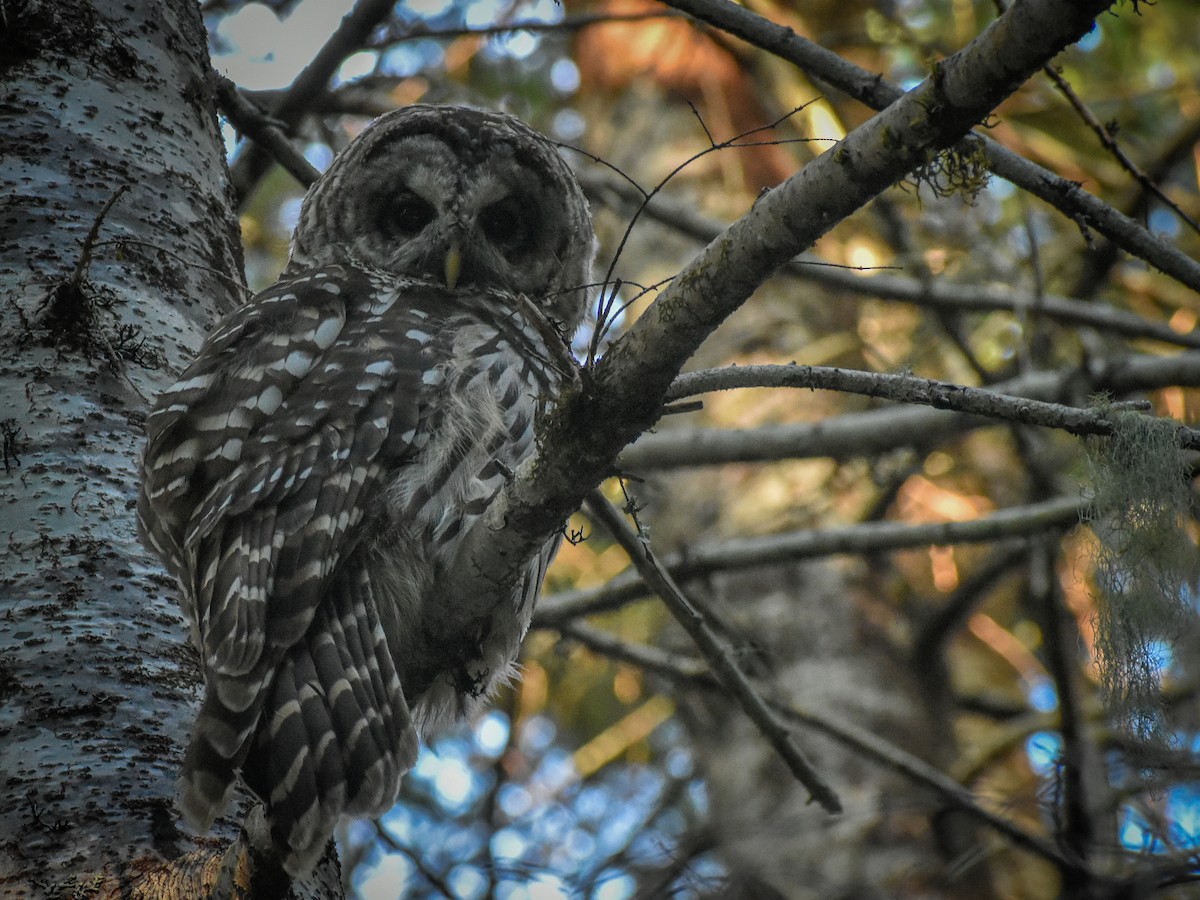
[(118, 245)]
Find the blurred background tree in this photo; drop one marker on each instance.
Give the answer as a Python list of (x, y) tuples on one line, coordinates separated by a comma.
[(981, 631), (613, 770)]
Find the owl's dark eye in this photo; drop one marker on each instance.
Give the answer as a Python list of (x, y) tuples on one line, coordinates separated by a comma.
[(405, 215), (508, 224)]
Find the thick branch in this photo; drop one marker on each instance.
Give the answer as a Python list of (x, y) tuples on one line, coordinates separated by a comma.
[(622, 396)]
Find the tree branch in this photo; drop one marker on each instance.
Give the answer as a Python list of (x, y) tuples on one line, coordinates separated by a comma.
[(872, 90), (910, 389), (252, 122), (351, 35), (622, 395), (881, 430), (938, 294), (869, 537), (1109, 142), (650, 659), (719, 657)]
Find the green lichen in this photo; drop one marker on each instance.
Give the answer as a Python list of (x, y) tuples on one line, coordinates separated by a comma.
[(1145, 563), (962, 170)]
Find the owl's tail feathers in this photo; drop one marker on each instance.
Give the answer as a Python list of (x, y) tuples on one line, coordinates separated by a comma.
[(221, 738), (336, 734)]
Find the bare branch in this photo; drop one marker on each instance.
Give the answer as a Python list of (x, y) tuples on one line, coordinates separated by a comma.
[(417, 858), (1109, 142), (651, 659), (955, 297), (872, 90), (718, 655), (252, 122), (878, 431), (910, 389), (351, 35), (868, 537)]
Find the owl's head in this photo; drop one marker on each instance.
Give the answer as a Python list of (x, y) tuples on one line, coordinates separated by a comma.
[(461, 196)]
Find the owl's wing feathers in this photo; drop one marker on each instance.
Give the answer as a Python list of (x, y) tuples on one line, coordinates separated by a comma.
[(289, 474), (290, 469), (196, 438)]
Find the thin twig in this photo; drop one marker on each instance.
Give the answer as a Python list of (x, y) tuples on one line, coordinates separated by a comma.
[(660, 883), (738, 141), (1175, 151), (1105, 134), (89, 242), (650, 659), (220, 274), (717, 655), (252, 122), (436, 882), (72, 302)]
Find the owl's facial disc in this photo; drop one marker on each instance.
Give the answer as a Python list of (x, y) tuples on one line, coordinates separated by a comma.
[(462, 197), (463, 220)]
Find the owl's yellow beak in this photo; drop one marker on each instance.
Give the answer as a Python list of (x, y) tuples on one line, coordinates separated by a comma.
[(453, 264)]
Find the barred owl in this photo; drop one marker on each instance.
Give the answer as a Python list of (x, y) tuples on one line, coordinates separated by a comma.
[(316, 468)]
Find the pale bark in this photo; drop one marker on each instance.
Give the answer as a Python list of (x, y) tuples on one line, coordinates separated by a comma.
[(97, 682)]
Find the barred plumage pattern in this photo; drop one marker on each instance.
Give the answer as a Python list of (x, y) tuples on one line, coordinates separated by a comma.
[(317, 466)]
